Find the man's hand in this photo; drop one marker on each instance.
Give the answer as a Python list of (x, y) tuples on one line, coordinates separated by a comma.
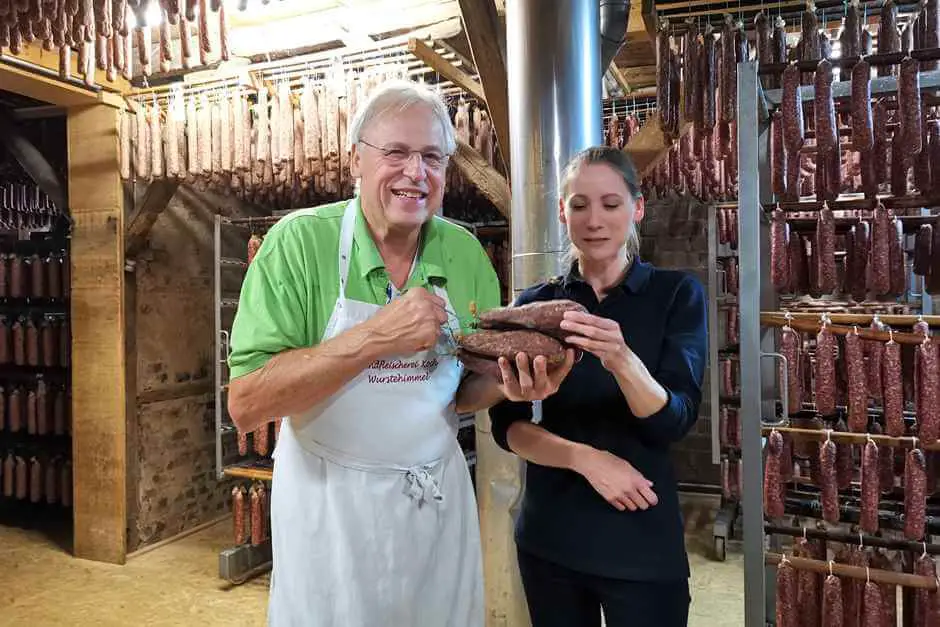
[(533, 384), (615, 479), (409, 324)]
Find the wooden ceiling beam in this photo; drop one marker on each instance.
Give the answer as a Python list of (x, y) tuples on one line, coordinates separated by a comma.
[(34, 72), (483, 27), (155, 200), (487, 180), (445, 68)]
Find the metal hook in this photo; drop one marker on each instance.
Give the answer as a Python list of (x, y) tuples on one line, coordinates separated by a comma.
[(861, 541), (924, 554), (828, 435), (867, 575), (830, 569)]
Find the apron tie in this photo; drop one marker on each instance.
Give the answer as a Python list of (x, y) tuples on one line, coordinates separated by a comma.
[(420, 482)]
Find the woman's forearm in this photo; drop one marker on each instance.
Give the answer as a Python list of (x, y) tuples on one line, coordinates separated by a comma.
[(296, 380), (539, 446), (644, 394), (476, 393)]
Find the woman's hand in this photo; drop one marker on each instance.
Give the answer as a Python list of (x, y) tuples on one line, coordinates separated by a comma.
[(533, 384), (599, 336), (616, 480)]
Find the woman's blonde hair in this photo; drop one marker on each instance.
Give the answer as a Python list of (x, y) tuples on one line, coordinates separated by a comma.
[(623, 165)]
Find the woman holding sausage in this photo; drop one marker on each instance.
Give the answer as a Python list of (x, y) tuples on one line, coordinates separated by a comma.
[(600, 526)]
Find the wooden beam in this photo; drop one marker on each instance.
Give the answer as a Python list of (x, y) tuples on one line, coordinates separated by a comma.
[(649, 146), (619, 78), (155, 200), (478, 171), (99, 411), (31, 160), (35, 73), (483, 27), (445, 68)]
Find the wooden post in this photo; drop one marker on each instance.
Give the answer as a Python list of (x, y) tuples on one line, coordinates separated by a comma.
[(97, 322)]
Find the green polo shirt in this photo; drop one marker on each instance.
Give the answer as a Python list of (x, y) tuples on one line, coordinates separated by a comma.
[(292, 284)]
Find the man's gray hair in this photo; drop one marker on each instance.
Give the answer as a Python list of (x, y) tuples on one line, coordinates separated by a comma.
[(398, 95)]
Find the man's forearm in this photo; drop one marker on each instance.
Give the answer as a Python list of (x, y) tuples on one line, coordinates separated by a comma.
[(476, 393), (296, 380), (539, 446)]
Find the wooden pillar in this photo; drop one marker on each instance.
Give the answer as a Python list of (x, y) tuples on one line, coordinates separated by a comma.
[(499, 488), (99, 453)]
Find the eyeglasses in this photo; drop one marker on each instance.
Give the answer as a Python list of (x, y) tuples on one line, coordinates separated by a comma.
[(398, 155)]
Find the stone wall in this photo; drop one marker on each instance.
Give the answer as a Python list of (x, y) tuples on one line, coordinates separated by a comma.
[(172, 484), (673, 234)]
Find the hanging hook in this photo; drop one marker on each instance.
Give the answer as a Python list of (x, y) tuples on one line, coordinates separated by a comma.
[(861, 541), (867, 575), (924, 554), (804, 532), (830, 569), (828, 435)]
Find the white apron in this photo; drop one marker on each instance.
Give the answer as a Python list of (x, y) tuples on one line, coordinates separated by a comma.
[(373, 517)]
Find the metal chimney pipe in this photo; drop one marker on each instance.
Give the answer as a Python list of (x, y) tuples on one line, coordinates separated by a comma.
[(554, 76), (553, 55)]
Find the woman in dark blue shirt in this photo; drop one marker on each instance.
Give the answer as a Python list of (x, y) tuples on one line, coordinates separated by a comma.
[(600, 525)]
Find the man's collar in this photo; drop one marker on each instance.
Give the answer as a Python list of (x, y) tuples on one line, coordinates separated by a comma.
[(430, 254), (634, 281)]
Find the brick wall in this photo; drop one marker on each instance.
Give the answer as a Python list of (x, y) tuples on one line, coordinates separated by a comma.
[(172, 478), (673, 234)]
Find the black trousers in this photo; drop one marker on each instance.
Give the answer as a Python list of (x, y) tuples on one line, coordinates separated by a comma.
[(560, 597)]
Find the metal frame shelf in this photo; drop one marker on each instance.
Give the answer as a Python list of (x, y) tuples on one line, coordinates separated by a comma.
[(758, 367)]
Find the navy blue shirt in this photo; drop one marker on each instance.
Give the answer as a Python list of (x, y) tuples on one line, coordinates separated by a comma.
[(662, 314)]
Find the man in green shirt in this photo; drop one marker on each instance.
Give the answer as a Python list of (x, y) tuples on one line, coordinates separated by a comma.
[(345, 327)]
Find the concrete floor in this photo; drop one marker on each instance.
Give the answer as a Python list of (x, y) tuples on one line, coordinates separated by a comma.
[(178, 584)]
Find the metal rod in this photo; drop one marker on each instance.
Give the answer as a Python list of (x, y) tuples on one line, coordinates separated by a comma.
[(805, 326), (854, 319), (848, 538), (857, 572), (843, 89), (845, 437), (219, 392), (749, 310), (713, 333), (860, 202)]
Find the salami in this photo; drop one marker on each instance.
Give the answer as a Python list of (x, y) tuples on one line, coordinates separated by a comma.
[(889, 39), (786, 608), (873, 613), (897, 282), (928, 395), (731, 276), (824, 109), (792, 109), (862, 130), (791, 349), (893, 389), (923, 601), (871, 487), (860, 254), (710, 74), (826, 250), (858, 389), (833, 611), (880, 282), (732, 325), (727, 378), (238, 514), (915, 494), (242, 442), (726, 479), (909, 107), (828, 481), (260, 438), (773, 482), (779, 235), (875, 352)]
